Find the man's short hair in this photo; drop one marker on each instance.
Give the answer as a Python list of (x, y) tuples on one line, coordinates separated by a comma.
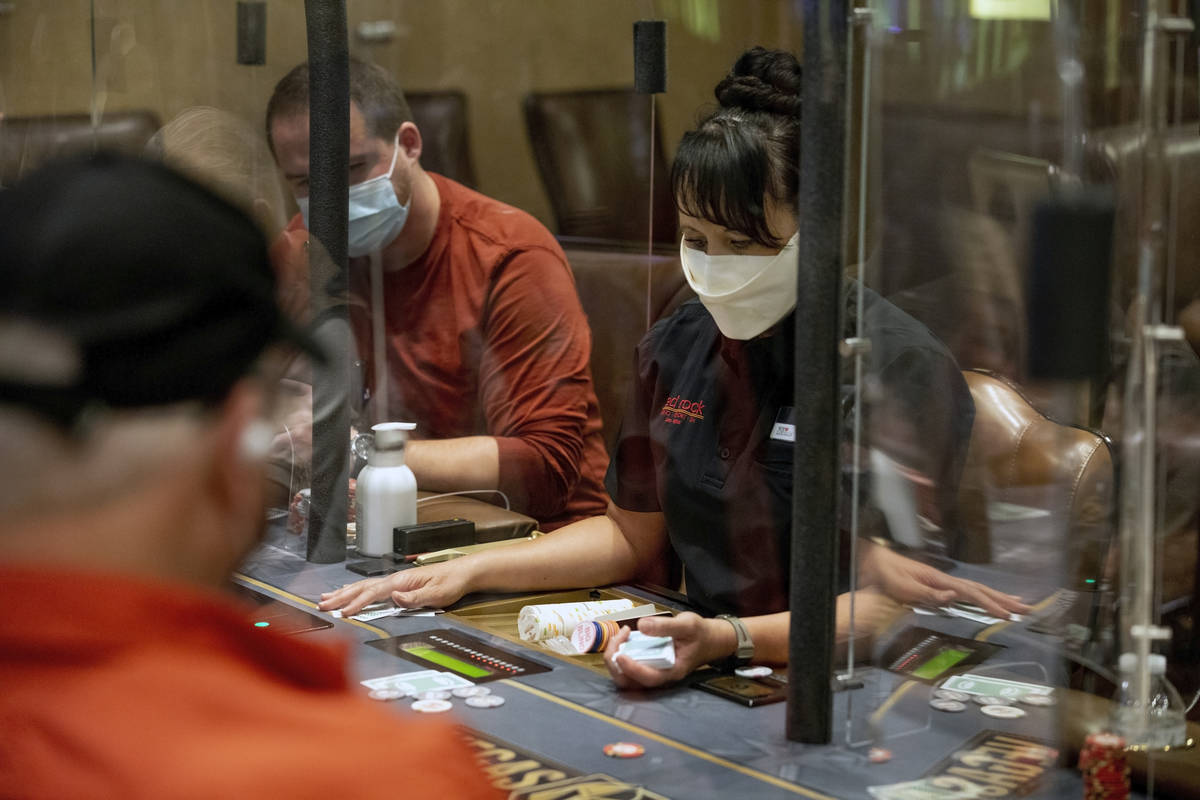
[(372, 89)]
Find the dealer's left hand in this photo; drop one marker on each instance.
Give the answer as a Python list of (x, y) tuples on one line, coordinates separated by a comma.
[(914, 583), (698, 640)]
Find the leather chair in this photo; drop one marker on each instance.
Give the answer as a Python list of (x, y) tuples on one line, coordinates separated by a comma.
[(612, 286), (442, 118), (1115, 158), (28, 142), (592, 149), (1017, 452)]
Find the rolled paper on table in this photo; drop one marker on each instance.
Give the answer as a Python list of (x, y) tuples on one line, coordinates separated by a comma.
[(548, 620)]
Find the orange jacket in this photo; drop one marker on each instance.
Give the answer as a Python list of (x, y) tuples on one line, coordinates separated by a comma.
[(116, 687)]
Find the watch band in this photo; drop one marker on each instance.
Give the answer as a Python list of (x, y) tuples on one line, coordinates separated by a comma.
[(744, 653)]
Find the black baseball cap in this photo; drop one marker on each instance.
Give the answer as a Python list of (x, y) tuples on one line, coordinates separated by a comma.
[(125, 285)]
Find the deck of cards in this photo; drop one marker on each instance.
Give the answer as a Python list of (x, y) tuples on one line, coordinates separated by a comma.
[(653, 651)]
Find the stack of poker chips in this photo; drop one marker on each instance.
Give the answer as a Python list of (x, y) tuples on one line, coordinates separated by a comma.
[(593, 636), (1105, 773)]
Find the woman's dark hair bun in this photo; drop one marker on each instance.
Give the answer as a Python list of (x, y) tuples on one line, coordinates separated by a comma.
[(762, 80)]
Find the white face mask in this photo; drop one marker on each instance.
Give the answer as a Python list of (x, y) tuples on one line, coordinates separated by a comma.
[(746, 295), (376, 216)]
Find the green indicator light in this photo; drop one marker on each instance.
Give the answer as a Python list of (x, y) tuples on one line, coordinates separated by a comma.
[(262, 624), (1090, 580)]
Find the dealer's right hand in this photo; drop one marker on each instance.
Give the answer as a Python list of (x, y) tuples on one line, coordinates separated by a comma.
[(434, 586)]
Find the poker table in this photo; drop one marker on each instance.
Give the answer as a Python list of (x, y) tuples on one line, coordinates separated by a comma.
[(548, 738)]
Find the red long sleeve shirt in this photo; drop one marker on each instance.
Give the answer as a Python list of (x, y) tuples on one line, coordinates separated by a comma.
[(486, 336)]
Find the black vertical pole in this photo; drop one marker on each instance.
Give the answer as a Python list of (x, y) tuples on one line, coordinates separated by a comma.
[(329, 171), (818, 330)]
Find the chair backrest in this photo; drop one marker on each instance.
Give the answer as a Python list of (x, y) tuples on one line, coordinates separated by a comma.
[(1018, 453), (442, 119), (1116, 157), (28, 142), (612, 286), (592, 149)]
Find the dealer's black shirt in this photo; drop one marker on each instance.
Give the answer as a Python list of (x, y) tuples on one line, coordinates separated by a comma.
[(705, 440)]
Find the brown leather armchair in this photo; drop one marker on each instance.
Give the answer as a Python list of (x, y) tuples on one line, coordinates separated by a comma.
[(28, 142), (1019, 455), (442, 118), (592, 149)]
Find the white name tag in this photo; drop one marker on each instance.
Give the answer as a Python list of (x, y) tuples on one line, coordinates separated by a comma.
[(782, 432)]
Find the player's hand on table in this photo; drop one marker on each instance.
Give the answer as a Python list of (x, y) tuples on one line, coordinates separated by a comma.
[(434, 586), (697, 641), (912, 582)]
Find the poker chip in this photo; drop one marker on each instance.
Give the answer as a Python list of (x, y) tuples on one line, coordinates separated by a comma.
[(470, 691), (878, 755), (950, 694), (1003, 712), (624, 750), (753, 672), (1105, 771), (947, 705), (991, 700), (385, 694), (434, 694), (431, 706), (484, 701), (592, 636), (1040, 700)]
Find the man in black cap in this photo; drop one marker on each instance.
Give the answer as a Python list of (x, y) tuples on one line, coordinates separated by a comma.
[(136, 328)]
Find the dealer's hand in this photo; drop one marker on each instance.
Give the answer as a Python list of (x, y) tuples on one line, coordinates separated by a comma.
[(434, 586), (697, 641), (915, 583)]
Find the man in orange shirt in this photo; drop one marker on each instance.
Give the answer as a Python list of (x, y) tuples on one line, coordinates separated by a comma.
[(485, 342), (136, 328)]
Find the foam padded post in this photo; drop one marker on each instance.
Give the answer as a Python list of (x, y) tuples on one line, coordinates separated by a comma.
[(817, 391), (649, 56), (1069, 285), (329, 169)]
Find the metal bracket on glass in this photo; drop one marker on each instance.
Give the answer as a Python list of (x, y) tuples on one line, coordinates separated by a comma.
[(846, 682), (855, 346), (1163, 333), (862, 16), (1176, 26), (1155, 633)]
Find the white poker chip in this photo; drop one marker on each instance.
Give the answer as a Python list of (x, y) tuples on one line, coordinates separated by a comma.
[(1003, 712), (950, 694), (947, 705), (485, 701), (431, 706), (753, 672), (385, 694), (992, 700), (434, 694), (1038, 699), (470, 691)]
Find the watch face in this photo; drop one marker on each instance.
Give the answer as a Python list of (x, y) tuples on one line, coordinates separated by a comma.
[(362, 445)]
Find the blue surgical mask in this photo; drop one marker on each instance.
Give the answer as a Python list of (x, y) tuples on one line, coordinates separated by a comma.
[(376, 216)]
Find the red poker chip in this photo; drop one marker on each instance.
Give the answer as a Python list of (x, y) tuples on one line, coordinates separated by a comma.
[(624, 750), (879, 755)]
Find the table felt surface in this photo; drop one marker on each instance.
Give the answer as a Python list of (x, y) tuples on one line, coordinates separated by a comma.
[(699, 745)]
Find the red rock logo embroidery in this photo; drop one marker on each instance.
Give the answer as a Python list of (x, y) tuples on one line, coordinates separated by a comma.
[(677, 409)]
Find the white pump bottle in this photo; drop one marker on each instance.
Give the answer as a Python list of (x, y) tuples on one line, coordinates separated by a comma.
[(386, 494)]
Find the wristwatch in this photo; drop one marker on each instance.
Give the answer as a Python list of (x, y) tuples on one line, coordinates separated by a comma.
[(744, 653)]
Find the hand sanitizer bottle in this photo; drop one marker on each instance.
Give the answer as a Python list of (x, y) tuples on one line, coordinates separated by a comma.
[(386, 496)]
